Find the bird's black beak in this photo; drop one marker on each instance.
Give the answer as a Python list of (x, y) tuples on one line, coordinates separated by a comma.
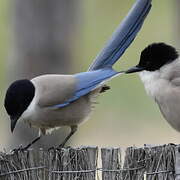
[(13, 122), (134, 69)]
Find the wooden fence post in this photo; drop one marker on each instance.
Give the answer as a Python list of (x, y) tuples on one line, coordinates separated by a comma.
[(74, 163), (62, 164), (134, 165), (177, 162), (148, 163), (111, 163), (160, 162)]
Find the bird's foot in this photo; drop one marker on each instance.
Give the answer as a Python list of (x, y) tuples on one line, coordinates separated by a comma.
[(20, 148), (54, 148), (63, 146), (172, 144)]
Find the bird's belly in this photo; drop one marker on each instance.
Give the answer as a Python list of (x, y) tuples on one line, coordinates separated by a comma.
[(73, 114), (171, 112), (165, 95)]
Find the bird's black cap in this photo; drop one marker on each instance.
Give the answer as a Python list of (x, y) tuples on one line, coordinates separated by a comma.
[(18, 97), (154, 56)]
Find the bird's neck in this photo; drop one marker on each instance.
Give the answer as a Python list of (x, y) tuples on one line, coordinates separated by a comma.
[(152, 82)]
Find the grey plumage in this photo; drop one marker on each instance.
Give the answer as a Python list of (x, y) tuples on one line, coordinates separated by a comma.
[(52, 90), (159, 68), (164, 87)]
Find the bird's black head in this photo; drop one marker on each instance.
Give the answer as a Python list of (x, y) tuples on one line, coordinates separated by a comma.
[(18, 97), (154, 57)]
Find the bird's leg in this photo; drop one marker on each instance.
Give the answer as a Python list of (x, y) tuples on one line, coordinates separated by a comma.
[(73, 130), (31, 143), (27, 146)]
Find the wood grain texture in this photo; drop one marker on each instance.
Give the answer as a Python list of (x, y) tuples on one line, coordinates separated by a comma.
[(146, 163)]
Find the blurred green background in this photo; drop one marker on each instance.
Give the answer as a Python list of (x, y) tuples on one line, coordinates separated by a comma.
[(125, 115)]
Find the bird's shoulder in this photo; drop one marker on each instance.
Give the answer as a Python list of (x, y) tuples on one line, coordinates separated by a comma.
[(54, 89)]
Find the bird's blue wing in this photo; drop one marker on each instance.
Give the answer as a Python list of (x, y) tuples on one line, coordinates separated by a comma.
[(123, 36), (88, 81)]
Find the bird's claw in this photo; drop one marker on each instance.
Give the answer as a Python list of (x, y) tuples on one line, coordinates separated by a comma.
[(20, 148), (58, 148), (61, 146), (53, 148)]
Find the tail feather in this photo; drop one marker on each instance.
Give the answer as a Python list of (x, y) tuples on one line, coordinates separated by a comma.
[(123, 36)]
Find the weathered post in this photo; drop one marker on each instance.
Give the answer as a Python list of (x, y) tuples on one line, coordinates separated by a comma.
[(56, 164), (134, 164), (177, 162), (111, 163), (160, 162)]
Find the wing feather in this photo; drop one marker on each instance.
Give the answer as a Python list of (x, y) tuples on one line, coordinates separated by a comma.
[(89, 81)]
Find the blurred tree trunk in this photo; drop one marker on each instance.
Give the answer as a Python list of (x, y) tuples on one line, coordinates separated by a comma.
[(176, 22), (43, 34)]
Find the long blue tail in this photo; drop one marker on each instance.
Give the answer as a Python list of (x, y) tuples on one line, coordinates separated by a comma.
[(101, 70), (123, 36)]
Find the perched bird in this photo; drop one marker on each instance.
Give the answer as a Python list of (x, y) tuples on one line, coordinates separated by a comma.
[(55, 100), (159, 70)]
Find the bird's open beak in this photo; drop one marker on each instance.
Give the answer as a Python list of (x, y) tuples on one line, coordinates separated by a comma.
[(13, 122), (134, 69)]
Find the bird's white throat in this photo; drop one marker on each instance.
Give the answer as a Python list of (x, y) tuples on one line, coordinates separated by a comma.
[(156, 82), (151, 81)]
